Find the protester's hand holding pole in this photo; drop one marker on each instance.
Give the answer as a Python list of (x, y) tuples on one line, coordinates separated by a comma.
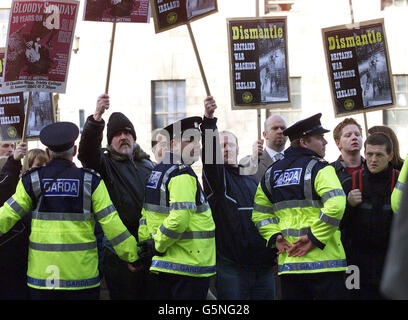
[(102, 105), (20, 151), (210, 106)]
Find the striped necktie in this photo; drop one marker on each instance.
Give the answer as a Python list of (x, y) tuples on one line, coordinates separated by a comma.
[(277, 157)]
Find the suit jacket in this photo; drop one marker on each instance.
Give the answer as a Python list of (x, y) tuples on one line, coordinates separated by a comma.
[(257, 170)]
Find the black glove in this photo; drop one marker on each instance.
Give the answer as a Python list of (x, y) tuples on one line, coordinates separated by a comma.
[(148, 249)]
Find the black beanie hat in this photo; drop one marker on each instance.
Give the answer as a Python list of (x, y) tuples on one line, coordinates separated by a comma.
[(117, 122)]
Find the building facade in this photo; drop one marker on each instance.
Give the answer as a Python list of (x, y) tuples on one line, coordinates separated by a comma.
[(155, 78)]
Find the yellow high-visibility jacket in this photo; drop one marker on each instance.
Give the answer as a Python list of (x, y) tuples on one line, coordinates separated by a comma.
[(399, 187), (176, 215), (62, 249), (301, 195)]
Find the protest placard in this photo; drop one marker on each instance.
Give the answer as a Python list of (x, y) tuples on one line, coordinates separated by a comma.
[(170, 14), (11, 117), (40, 113), (39, 44), (258, 62), (358, 67), (117, 10)]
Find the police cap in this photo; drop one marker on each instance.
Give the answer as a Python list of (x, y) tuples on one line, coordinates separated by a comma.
[(183, 125), (59, 136), (305, 127)]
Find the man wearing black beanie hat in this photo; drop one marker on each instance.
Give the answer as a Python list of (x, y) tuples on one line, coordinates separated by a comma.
[(124, 166)]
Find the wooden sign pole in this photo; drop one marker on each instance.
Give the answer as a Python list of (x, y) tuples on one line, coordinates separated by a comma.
[(110, 57), (200, 65), (352, 21), (27, 114), (258, 111)]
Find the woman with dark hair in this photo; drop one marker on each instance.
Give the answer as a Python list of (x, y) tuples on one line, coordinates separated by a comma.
[(396, 161)]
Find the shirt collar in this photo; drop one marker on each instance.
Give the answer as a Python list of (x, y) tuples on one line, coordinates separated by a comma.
[(272, 152)]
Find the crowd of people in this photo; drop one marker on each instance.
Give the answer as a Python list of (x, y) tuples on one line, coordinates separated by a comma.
[(281, 223)]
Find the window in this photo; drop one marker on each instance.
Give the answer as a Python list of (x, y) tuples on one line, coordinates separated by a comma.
[(277, 5), (168, 102), (397, 3), (81, 119), (397, 116), (294, 112)]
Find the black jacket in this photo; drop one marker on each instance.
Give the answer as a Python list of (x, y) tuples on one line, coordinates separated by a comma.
[(341, 169), (13, 244), (124, 178), (366, 227), (231, 198)]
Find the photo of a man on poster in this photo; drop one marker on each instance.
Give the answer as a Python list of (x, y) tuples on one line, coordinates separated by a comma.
[(272, 66), (372, 67), (41, 112), (198, 7)]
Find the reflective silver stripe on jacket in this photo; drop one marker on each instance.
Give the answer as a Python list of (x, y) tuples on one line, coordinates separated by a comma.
[(187, 235), (308, 188), (63, 246), (267, 221), (399, 185), (87, 197), (290, 204), (268, 180), (35, 183), (62, 216), (16, 207), (329, 220), (120, 238), (166, 210), (332, 193), (163, 185), (105, 212), (295, 232), (183, 206), (263, 209), (142, 222)]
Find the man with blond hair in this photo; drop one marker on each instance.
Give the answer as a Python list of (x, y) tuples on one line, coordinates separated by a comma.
[(348, 138)]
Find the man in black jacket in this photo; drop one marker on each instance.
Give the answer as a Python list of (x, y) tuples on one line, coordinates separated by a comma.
[(368, 216), (244, 264), (124, 167)]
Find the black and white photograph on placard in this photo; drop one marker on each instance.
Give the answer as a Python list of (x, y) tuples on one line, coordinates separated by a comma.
[(41, 113), (372, 67), (199, 7), (272, 69)]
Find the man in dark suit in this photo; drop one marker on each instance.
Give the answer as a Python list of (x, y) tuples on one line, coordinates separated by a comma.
[(261, 159)]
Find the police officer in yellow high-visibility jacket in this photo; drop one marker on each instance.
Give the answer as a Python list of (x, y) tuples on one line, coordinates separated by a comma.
[(65, 202), (177, 225), (298, 208), (399, 187)]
